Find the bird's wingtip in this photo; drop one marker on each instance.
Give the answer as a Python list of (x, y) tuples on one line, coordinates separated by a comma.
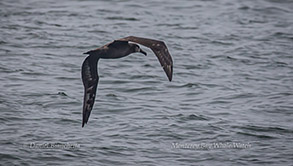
[(85, 118), (83, 123)]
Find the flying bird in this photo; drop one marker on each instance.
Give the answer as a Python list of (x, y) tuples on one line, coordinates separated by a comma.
[(118, 49)]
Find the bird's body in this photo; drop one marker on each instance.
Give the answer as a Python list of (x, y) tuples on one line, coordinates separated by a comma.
[(117, 49), (114, 50)]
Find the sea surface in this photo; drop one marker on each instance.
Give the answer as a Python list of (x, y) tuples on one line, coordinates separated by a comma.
[(230, 101)]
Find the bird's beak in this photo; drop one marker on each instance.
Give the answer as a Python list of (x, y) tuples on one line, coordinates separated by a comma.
[(143, 52)]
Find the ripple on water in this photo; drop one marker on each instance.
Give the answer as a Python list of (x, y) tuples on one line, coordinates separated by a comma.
[(232, 82)]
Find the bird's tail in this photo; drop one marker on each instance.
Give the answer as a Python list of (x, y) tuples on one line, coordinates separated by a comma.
[(97, 51), (89, 52)]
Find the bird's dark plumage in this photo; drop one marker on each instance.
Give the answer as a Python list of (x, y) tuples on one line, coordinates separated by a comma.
[(159, 48), (117, 49)]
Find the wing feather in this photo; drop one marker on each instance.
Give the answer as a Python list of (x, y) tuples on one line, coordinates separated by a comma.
[(159, 48), (90, 80)]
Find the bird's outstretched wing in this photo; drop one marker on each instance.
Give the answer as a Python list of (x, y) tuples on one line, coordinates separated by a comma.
[(159, 48), (90, 80)]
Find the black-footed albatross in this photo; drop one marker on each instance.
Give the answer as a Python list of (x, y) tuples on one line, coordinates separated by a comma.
[(117, 49)]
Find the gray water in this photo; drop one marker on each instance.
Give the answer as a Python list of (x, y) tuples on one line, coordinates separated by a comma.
[(230, 101)]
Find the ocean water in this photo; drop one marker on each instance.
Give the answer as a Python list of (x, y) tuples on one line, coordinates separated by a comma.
[(230, 101)]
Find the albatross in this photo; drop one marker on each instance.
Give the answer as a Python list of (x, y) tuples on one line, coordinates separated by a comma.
[(117, 49)]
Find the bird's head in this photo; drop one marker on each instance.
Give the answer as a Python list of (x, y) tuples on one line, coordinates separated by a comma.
[(138, 49)]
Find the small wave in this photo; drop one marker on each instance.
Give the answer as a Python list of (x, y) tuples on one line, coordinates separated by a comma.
[(123, 18)]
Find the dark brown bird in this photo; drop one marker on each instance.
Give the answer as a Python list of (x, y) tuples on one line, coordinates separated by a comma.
[(117, 49)]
